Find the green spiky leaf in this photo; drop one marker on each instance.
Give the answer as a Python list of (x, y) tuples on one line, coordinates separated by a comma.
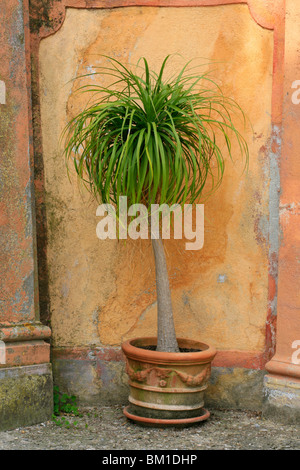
[(152, 139)]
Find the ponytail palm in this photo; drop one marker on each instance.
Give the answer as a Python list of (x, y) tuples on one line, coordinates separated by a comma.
[(156, 141)]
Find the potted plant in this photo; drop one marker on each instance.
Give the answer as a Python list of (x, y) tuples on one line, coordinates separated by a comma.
[(156, 141)]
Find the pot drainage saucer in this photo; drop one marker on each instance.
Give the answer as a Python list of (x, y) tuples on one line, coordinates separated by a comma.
[(166, 422)]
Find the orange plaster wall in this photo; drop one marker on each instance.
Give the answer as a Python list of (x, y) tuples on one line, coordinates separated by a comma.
[(103, 292)]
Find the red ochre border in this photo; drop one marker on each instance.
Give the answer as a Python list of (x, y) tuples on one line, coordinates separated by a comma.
[(269, 14), (242, 359), (263, 12)]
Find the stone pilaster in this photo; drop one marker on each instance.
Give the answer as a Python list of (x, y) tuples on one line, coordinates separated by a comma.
[(282, 383), (25, 371)]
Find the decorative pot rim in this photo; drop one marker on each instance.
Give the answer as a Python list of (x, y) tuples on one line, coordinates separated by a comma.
[(132, 351)]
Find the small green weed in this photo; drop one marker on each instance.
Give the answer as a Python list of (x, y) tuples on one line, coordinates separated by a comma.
[(64, 404)]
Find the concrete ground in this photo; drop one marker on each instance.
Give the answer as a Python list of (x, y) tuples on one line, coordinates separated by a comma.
[(106, 428)]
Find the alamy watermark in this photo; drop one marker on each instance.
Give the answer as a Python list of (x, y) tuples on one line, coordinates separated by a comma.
[(136, 221), (296, 94), (296, 354), (2, 353)]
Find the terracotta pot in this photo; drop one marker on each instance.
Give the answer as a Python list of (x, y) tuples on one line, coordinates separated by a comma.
[(167, 388)]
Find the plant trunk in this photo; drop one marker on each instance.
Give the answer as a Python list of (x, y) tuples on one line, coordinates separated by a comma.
[(166, 336)]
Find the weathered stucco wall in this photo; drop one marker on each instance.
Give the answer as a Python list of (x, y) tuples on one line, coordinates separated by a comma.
[(103, 292)]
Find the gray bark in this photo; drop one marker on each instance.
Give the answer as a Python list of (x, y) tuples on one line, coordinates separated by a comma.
[(166, 336)]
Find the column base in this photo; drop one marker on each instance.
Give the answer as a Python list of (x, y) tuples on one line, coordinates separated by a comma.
[(282, 399), (26, 396)]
